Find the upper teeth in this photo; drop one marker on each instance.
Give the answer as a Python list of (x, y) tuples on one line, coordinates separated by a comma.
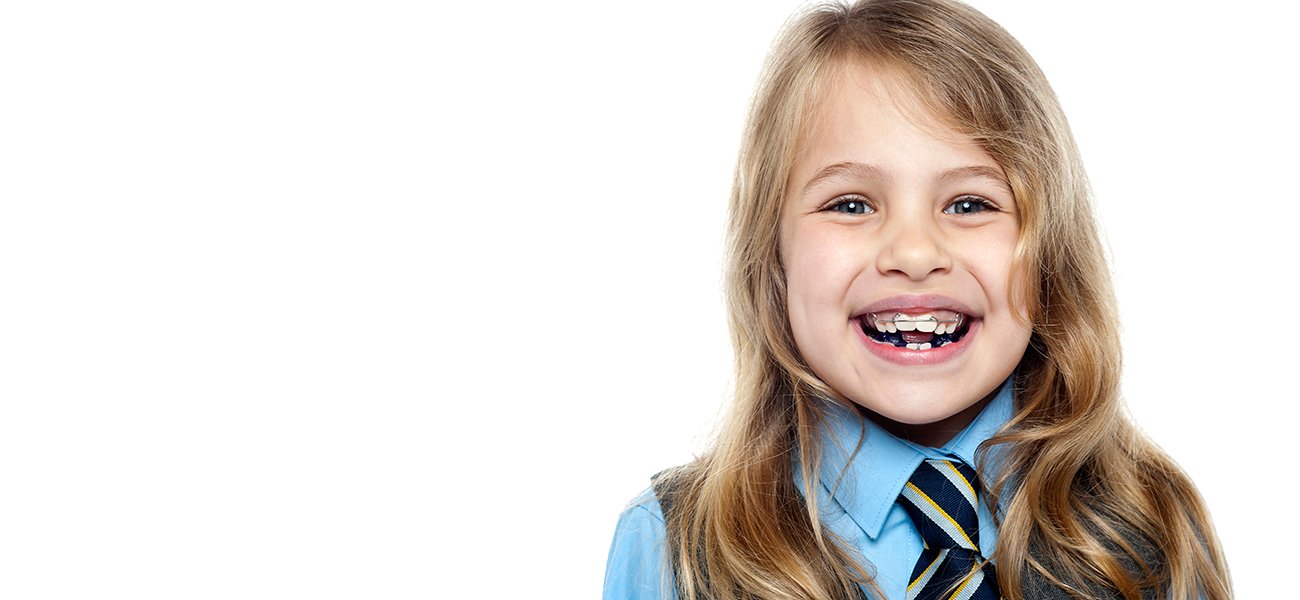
[(928, 323)]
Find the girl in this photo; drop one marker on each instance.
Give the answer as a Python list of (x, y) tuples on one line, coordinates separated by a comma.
[(926, 347)]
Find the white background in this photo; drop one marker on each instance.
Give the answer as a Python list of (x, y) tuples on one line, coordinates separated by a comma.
[(383, 300)]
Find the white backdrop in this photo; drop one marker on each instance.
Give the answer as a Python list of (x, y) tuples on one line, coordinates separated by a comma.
[(395, 300)]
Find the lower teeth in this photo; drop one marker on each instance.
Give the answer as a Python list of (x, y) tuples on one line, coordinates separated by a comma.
[(896, 339)]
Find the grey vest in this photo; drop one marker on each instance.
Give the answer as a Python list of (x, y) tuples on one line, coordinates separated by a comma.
[(1035, 586)]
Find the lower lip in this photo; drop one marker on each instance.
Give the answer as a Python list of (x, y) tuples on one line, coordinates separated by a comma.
[(916, 358)]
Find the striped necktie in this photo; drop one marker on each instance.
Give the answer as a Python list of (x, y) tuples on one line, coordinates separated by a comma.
[(941, 499)]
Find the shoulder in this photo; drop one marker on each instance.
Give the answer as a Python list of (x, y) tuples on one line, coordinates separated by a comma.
[(636, 567), (644, 508)]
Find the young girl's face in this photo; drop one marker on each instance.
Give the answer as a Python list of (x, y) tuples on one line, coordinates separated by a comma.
[(897, 237)]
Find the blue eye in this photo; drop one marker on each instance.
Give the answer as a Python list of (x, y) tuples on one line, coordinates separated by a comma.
[(968, 205), (851, 205)]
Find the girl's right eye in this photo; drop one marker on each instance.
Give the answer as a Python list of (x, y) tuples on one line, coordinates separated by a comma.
[(851, 204)]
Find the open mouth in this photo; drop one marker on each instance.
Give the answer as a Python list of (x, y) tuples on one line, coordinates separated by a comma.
[(932, 329)]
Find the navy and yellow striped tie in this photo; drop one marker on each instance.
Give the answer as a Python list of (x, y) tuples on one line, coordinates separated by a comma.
[(941, 497)]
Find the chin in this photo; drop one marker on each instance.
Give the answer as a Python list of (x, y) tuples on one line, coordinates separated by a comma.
[(925, 415), (916, 411)]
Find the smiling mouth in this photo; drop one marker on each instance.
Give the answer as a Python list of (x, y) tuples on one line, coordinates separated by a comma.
[(932, 329)]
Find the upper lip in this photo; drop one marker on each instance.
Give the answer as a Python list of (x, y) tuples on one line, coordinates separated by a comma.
[(916, 303)]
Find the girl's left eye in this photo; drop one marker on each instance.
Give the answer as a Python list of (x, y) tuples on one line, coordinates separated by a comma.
[(968, 205)]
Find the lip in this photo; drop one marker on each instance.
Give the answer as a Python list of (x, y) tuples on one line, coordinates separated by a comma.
[(916, 358), (917, 303)]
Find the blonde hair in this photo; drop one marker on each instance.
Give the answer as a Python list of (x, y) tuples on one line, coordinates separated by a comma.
[(1088, 502)]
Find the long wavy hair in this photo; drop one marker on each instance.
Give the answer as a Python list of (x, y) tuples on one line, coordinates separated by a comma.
[(1085, 499)]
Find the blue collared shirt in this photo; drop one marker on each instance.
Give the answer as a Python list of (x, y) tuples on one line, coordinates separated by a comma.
[(863, 510)]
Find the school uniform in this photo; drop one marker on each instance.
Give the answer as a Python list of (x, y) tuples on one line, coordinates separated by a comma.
[(862, 510)]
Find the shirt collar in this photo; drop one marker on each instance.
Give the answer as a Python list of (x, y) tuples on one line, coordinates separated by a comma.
[(870, 485)]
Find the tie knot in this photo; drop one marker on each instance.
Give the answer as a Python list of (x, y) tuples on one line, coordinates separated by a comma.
[(941, 499)]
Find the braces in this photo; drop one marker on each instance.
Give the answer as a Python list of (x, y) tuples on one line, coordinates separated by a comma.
[(927, 323), (941, 330)]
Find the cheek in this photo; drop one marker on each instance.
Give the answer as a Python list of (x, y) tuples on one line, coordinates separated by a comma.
[(994, 266), (991, 259), (819, 273), (819, 267), (801, 268)]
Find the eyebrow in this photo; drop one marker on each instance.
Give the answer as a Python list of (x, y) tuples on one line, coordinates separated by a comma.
[(977, 172), (848, 169), (857, 170)]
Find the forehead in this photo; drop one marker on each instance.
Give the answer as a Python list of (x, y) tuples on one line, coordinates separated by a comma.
[(864, 112), (852, 85)]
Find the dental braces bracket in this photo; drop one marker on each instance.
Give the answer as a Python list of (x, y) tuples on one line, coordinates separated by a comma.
[(900, 317), (924, 323)]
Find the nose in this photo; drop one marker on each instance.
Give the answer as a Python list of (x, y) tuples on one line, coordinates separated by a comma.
[(914, 250)]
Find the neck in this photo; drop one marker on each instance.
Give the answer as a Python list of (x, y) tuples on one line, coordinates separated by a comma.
[(934, 434)]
